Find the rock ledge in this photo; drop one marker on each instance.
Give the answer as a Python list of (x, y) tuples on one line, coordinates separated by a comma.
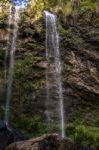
[(46, 142)]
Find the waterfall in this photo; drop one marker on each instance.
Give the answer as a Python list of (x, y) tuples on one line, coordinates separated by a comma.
[(12, 60), (9, 26), (9, 20), (53, 73)]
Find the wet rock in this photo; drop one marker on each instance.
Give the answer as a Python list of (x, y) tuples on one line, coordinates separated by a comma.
[(42, 64)]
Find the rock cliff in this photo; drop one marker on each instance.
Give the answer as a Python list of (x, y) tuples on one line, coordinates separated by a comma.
[(79, 48)]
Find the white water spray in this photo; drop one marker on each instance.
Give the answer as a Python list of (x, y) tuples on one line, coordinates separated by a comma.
[(53, 58), (12, 60)]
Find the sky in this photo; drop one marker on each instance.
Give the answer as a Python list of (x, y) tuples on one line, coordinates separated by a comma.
[(20, 2)]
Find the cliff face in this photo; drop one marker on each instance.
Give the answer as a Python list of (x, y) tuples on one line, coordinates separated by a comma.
[(80, 57), (79, 43)]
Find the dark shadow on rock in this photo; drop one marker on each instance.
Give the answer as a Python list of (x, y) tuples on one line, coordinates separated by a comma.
[(8, 135)]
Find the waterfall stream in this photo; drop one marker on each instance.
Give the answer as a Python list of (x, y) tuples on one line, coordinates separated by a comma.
[(9, 20), (12, 59), (9, 27), (53, 73)]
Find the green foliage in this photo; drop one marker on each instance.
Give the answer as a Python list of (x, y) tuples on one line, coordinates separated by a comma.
[(88, 4), (4, 1), (87, 136), (31, 126), (65, 8), (34, 126), (84, 135)]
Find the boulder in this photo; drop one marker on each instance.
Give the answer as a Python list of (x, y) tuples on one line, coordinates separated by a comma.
[(46, 142)]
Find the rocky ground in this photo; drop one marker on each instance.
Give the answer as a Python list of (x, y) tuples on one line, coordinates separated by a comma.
[(47, 142)]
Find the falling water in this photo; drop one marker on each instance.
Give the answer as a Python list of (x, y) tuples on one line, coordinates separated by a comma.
[(9, 20), (53, 75), (12, 61), (9, 27)]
